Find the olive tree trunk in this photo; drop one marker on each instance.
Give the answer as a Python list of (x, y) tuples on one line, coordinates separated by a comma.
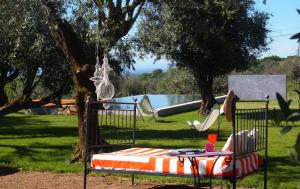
[(3, 96), (206, 92), (121, 20)]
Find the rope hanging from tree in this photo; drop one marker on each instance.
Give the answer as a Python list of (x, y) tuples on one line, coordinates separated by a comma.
[(105, 90)]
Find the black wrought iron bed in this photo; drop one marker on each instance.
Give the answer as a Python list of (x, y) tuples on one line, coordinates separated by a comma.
[(116, 127)]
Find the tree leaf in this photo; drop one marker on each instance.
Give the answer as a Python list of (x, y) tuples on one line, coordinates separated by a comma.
[(296, 36), (284, 106), (285, 129), (277, 118), (294, 116)]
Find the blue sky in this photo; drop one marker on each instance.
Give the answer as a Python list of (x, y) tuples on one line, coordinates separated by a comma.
[(284, 22)]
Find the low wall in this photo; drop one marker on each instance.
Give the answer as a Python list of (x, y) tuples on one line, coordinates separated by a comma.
[(258, 86), (185, 107), (42, 110)]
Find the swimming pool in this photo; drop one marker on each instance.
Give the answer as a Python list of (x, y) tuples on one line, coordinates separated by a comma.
[(161, 101)]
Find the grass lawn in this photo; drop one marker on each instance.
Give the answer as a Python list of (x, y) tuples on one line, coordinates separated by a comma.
[(45, 143)]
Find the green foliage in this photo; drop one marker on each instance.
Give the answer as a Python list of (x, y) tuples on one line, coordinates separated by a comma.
[(14, 89), (132, 86), (174, 81), (289, 66), (89, 24), (28, 49), (178, 81)]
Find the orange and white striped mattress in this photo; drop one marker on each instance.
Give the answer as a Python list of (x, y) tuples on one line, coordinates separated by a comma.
[(157, 161)]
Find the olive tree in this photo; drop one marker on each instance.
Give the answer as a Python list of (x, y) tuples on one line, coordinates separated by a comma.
[(210, 37), (83, 23), (28, 54)]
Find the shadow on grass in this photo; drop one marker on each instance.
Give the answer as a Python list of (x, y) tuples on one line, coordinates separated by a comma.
[(25, 127), (164, 121), (282, 169), (8, 121), (275, 113), (15, 128), (37, 152), (4, 170)]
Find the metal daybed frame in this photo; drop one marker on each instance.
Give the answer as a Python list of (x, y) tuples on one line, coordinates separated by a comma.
[(117, 127)]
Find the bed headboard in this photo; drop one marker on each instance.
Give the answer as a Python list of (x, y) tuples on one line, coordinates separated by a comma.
[(250, 124), (115, 125)]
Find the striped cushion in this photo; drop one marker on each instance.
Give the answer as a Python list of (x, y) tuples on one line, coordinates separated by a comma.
[(157, 161)]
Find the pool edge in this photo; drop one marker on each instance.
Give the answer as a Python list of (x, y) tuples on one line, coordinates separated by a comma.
[(185, 107)]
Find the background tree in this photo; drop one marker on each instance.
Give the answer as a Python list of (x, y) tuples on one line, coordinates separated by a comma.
[(177, 81), (103, 21), (28, 54), (211, 38)]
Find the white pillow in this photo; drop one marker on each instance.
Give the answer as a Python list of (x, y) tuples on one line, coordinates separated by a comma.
[(253, 138), (241, 138), (228, 146), (242, 141)]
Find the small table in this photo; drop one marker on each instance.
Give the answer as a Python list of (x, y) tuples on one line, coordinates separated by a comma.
[(192, 158)]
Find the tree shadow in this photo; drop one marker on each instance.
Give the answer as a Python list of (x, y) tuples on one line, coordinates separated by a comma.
[(9, 121), (26, 127), (33, 152), (4, 170), (32, 129), (165, 121), (275, 112), (282, 169), (277, 118)]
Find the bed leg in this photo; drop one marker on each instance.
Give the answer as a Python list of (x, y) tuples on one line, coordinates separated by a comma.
[(132, 179), (265, 178), (84, 179), (234, 184)]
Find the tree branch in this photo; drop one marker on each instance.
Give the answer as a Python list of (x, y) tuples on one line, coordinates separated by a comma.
[(127, 3), (112, 9), (138, 12), (37, 82), (12, 76), (131, 18), (29, 82), (101, 14), (119, 5), (64, 35), (71, 46)]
